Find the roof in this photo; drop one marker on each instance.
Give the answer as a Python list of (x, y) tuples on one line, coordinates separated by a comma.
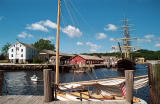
[(26, 45), (87, 57), (54, 57), (54, 53), (47, 51), (106, 57)]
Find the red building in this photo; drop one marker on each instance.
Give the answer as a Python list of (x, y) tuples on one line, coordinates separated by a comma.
[(85, 59)]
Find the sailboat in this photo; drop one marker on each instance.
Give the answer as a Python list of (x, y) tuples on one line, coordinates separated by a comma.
[(126, 62), (93, 90)]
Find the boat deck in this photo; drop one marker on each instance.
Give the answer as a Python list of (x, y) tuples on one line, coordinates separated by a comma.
[(21, 99)]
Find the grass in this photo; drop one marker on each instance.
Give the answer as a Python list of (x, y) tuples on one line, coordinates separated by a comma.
[(4, 61)]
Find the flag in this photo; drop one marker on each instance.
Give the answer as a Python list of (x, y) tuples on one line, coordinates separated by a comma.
[(123, 88)]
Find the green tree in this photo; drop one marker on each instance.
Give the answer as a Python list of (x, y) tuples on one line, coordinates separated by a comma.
[(44, 44), (5, 48)]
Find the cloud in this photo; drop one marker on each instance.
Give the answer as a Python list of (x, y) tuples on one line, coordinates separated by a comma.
[(24, 35), (72, 31), (49, 38), (157, 45), (93, 47), (79, 43), (149, 36), (1, 18), (101, 36), (37, 26), (140, 40), (144, 40), (148, 40), (111, 27), (30, 35), (49, 24), (111, 39)]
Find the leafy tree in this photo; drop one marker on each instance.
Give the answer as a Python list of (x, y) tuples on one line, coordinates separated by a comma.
[(37, 60), (5, 48), (147, 54), (2, 57), (44, 44)]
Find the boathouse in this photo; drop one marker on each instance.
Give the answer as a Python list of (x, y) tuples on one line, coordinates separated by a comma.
[(49, 56), (21, 53), (86, 59)]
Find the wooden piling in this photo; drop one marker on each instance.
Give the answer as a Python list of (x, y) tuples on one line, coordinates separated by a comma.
[(150, 77), (47, 85), (1, 81), (129, 75)]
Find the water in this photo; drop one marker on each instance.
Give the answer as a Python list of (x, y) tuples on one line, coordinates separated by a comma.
[(19, 83)]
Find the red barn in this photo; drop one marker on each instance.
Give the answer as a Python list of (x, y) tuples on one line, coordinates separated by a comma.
[(85, 59)]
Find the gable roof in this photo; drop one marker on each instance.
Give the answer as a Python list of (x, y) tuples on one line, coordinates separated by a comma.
[(87, 57), (27, 45), (24, 44)]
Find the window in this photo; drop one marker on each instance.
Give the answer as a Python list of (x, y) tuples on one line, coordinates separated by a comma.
[(21, 55), (12, 50), (11, 55), (21, 50), (17, 48), (20, 45)]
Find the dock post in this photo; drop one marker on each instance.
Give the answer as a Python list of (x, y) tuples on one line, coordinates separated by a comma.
[(153, 74), (47, 85), (129, 76), (1, 81), (150, 77)]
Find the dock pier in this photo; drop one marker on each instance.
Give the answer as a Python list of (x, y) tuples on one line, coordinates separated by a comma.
[(63, 68)]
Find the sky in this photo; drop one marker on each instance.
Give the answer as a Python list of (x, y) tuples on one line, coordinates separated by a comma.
[(87, 26)]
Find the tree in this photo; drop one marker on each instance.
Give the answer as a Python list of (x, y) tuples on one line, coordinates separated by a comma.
[(44, 44), (5, 48)]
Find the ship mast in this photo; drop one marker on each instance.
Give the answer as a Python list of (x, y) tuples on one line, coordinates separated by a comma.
[(57, 42), (126, 41), (127, 36)]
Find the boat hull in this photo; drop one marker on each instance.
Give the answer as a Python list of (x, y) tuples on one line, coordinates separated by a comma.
[(125, 64)]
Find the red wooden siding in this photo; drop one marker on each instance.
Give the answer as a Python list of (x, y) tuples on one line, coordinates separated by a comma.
[(77, 60)]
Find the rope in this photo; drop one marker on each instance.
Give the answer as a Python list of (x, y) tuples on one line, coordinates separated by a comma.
[(81, 15), (69, 12), (95, 74), (90, 75)]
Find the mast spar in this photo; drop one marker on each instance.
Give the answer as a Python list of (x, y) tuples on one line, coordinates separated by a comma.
[(57, 42)]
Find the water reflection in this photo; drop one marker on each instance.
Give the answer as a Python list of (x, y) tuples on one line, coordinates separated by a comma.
[(19, 83)]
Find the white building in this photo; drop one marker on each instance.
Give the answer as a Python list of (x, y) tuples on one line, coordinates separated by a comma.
[(21, 53)]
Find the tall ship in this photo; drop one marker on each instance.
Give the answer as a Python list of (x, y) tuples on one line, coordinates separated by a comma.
[(126, 62)]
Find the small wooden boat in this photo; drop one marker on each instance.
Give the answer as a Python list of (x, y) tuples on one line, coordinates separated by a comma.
[(34, 78)]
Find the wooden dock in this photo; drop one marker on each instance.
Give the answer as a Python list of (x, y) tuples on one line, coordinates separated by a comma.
[(13, 67), (21, 99), (66, 67)]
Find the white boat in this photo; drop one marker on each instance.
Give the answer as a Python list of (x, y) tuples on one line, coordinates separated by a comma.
[(34, 78)]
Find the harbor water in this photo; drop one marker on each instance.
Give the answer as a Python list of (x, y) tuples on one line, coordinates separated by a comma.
[(19, 83)]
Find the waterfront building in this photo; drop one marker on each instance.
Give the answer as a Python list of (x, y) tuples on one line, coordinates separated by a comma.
[(140, 59), (49, 56), (21, 53), (86, 59)]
